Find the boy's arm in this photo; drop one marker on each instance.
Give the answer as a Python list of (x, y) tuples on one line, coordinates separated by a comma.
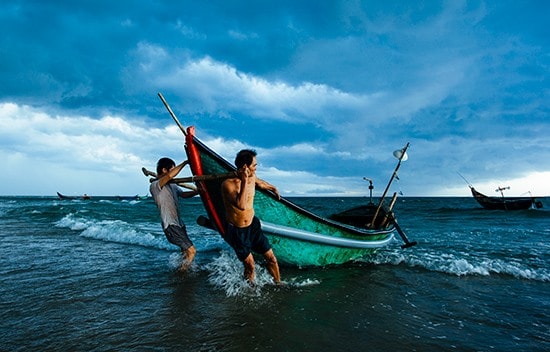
[(171, 174)]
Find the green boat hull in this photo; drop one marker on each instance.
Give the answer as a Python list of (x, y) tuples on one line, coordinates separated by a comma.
[(304, 254)]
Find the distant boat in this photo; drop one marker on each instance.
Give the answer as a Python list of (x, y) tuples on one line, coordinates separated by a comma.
[(136, 197), (87, 197), (84, 196), (505, 203)]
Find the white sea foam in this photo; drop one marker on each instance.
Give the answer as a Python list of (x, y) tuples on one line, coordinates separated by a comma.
[(462, 264), (114, 231), (293, 282), (226, 273)]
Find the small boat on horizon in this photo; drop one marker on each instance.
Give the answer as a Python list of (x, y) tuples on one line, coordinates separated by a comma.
[(84, 196), (502, 202), (87, 197), (505, 203)]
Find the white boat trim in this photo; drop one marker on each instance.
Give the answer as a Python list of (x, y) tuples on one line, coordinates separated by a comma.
[(313, 237)]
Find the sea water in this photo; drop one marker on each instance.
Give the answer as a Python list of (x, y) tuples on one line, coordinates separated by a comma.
[(93, 275)]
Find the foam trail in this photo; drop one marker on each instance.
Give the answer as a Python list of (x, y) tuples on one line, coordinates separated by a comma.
[(114, 231), (463, 264)]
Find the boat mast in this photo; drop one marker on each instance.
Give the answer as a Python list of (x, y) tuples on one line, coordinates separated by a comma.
[(371, 187), (500, 189), (401, 155)]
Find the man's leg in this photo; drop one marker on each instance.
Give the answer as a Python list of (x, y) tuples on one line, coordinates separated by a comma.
[(272, 266), (249, 268), (188, 256)]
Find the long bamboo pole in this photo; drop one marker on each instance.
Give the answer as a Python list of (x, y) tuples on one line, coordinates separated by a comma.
[(172, 114), (205, 177), (154, 177), (403, 151), (179, 180)]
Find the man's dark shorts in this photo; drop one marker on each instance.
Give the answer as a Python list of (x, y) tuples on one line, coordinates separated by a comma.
[(247, 239), (178, 235)]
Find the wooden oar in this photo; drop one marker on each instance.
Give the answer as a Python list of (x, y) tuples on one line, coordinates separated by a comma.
[(401, 233), (385, 219), (389, 216)]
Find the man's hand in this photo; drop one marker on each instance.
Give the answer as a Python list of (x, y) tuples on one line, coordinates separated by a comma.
[(244, 173)]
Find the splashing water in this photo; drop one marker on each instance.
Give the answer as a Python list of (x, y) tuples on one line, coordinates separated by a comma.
[(226, 273)]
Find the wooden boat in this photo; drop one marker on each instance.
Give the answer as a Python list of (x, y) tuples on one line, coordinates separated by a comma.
[(297, 236), (62, 196), (87, 197), (136, 197), (504, 203)]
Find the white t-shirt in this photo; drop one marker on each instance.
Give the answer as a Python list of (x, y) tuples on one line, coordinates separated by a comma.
[(166, 199)]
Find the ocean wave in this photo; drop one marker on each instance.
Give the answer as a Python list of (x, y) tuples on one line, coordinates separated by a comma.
[(142, 234), (459, 265), (113, 231)]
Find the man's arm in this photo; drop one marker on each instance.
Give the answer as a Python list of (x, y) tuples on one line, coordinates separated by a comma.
[(235, 192), (171, 174), (240, 193), (188, 194), (261, 184), (230, 194)]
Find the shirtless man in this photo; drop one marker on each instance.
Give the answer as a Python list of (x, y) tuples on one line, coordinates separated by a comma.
[(243, 231), (166, 196)]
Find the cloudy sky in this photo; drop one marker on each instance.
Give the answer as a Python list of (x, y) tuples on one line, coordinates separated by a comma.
[(325, 91)]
